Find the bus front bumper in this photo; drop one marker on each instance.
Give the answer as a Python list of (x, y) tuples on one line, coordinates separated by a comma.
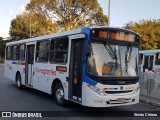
[(92, 99)]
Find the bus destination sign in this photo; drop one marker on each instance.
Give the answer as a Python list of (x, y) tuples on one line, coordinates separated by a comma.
[(114, 35)]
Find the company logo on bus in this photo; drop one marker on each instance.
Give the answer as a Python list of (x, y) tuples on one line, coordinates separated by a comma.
[(121, 88)]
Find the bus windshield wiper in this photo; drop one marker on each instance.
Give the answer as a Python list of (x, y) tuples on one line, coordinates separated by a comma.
[(128, 56), (111, 52)]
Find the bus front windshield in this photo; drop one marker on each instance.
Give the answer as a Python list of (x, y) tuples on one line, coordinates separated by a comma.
[(107, 60)]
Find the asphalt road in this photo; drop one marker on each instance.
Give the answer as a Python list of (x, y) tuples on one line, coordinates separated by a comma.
[(13, 99)]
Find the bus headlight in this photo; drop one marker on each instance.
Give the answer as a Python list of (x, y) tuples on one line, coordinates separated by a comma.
[(136, 90), (97, 90)]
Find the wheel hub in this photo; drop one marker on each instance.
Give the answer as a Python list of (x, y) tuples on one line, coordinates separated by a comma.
[(18, 83), (59, 94)]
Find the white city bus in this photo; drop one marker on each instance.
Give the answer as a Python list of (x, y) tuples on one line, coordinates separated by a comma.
[(149, 67), (96, 67)]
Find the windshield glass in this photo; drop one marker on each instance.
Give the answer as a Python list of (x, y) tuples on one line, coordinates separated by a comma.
[(109, 60)]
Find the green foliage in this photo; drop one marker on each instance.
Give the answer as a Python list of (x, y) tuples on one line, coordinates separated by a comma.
[(69, 14), (49, 16), (2, 48), (29, 25), (149, 31)]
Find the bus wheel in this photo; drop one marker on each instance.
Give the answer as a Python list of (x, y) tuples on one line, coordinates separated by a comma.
[(59, 95), (18, 81)]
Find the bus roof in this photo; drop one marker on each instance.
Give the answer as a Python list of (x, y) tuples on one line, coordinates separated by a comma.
[(60, 34), (149, 51)]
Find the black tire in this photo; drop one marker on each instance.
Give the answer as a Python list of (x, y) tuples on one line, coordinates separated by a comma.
[(59, 95), (18, 81)]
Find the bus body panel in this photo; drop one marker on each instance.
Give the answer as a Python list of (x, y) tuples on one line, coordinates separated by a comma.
[(45, 74), (11, 69)]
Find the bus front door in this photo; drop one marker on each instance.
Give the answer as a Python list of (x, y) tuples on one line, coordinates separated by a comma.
[(29, 63), (76, 63)]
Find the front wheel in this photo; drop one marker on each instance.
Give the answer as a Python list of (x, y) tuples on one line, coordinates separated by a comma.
[(59, 95), (18, 81)]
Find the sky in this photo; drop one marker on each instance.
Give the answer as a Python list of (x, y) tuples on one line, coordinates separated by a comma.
[(121, 11)]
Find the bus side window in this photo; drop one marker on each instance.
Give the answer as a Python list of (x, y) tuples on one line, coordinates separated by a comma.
[(146, 62), (15, 52), (140, 59), (157, 61), (59, 50), (8, 52), (22, 52), (150, 67), (42, 51)]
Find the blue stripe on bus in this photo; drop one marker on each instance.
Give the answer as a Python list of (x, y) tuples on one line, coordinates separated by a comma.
[(13, 62), (90, 81), (115, 88), (86, 79)]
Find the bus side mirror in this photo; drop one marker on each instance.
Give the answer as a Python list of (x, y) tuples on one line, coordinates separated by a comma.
[(88, 50)]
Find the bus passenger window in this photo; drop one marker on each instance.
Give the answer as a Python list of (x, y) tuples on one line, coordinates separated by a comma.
[(59, 50), (22, 52), (146, 62), (42, 51), (157, 61), (150, 67), (15, 52), (140, 59), (8, 53)]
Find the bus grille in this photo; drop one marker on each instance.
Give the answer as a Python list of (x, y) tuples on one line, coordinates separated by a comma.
[(119, 82), (117, 92)]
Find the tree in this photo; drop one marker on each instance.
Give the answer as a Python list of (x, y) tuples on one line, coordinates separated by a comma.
[(2, 48), (149, 31), (69, 14), (29, 25)]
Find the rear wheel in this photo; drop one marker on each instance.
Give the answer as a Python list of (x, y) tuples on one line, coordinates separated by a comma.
[(59, 95), (18, 81)]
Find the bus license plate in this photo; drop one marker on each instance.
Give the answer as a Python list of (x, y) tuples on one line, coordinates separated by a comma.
[(121, 100)]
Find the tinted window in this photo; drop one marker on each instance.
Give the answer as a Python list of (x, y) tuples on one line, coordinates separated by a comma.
[(15, 52), (8, 53), (157, 61), (140, 58), (59, 50), (22, 52), (42, 53), (146, 61)]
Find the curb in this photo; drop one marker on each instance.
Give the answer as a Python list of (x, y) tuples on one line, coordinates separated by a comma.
[(150, 102)]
